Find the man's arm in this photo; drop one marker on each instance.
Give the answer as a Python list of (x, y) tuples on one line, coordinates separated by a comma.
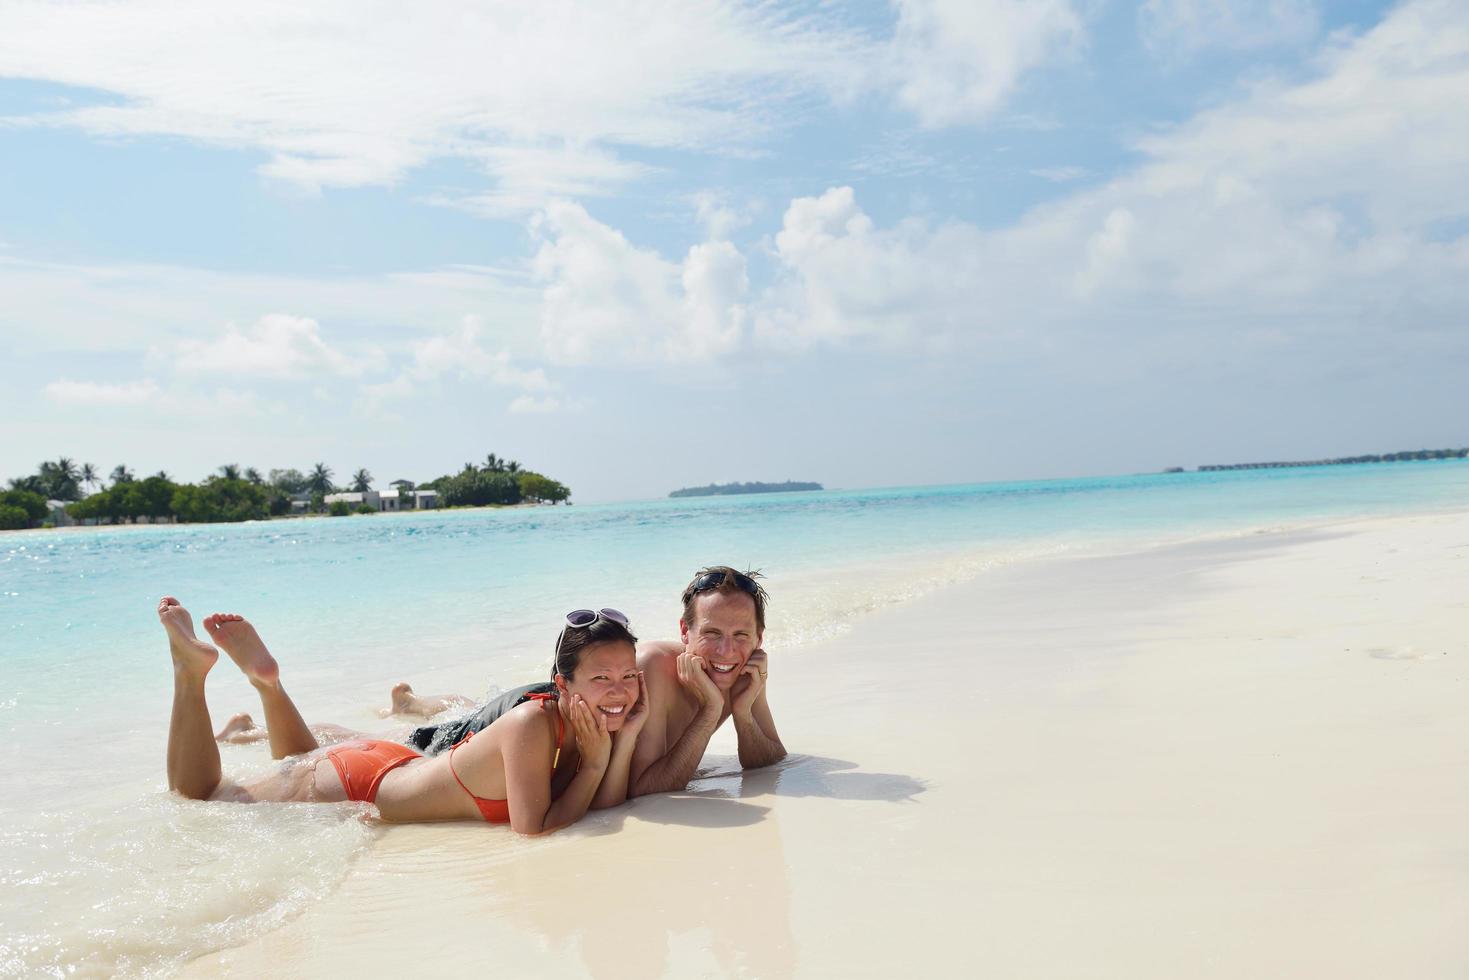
[(673, 771), (759, 742), (657, 766)]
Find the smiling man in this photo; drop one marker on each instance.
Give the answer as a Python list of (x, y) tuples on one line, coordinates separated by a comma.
[(714, 671)]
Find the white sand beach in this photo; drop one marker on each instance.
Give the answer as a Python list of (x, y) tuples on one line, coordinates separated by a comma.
[(1238, 758)]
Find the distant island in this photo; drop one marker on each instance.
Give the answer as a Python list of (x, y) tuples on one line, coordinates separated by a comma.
[(63, 492), (1406, 456), (724, 489)]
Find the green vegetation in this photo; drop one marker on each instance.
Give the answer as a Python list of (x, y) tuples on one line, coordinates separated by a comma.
[(1405, 456), (498, 481), (236, 493), (21, 508), (719, 489)]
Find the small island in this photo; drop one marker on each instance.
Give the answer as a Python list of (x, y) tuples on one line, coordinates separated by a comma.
[(63, 493), (725, 489), (1402, 456)]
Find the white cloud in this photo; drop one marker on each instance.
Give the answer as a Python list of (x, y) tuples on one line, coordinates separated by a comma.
[(124, 308), (462, 354), (1182, 27), (528, 405), (537, 92), (275, 346), (1332, 208), (719, 218), (459, 354), (605, 298), (958, 61), (102, 393)]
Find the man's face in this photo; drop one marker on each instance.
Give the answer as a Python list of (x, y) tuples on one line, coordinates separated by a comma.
[(723, 633)]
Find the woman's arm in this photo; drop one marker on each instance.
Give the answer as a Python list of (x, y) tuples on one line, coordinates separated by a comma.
[(528, 773), (615, 783)]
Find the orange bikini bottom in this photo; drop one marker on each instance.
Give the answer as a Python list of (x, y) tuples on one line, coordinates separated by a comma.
[(363, 764)]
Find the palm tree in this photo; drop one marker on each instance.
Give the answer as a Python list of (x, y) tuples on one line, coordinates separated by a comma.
[(493, 464), (362, 481), (320, 480), (512, 467), (230, 471), (60, 478), (121, 474), (163, 475), (253, 475), (89, 475)]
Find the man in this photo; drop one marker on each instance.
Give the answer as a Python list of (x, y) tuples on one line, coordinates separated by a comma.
[(715, 671)]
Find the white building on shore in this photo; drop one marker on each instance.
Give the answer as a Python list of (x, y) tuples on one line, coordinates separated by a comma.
[(386, 500)]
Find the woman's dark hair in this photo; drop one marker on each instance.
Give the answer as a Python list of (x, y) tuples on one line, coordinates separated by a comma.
[(575, 639)]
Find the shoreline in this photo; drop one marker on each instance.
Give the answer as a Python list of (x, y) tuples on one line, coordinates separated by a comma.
[(278, 519), (1212, 758)]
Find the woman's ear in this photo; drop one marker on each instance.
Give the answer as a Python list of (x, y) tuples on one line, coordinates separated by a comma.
[(560, 684)]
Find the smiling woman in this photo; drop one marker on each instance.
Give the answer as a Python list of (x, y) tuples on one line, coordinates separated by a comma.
[(522, 770)]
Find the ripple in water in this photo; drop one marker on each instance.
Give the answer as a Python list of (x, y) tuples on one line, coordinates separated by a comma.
[(137, 890)]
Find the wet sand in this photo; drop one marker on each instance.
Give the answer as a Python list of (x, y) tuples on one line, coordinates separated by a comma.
[(1224, 759)]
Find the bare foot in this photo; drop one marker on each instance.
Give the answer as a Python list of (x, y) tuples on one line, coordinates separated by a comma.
[(405, 702), (238, 726), (191, 655), (236, 637)]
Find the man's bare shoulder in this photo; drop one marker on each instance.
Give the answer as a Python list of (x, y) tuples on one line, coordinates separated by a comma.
[(659, 657)]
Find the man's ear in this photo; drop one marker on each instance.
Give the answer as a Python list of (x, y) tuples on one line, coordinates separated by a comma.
[(683, 632)]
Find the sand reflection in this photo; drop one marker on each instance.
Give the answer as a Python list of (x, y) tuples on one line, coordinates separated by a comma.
[(704, 890)]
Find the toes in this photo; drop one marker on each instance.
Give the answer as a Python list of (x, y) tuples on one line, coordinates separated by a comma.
[(167, 600)]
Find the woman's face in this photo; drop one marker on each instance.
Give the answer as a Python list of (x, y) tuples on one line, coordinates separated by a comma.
[(607, 680)]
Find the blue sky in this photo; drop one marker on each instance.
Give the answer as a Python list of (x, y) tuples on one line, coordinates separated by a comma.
[(644, 245)]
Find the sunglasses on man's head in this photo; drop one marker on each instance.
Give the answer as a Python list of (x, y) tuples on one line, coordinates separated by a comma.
[(713, 580)]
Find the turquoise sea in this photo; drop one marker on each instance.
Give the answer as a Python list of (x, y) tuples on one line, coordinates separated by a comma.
[(104, 872)]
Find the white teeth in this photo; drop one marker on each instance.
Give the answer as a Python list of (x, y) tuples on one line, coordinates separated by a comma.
[(614, 711), (724, 670)]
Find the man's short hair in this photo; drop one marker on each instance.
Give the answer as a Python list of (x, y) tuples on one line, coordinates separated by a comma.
[(722, 578)]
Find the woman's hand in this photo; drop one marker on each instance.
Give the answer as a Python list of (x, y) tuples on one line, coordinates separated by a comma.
[(637, 715), (590, 728)]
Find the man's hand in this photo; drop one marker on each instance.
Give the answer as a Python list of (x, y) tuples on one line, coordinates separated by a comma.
[(696, 680), (749, 687), (637, 715)]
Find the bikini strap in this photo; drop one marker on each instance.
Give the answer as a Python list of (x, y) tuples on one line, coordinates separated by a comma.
[(560, 725), (451, 766)]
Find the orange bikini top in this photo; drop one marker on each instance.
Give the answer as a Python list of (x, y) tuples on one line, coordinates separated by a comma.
[(498, 811)]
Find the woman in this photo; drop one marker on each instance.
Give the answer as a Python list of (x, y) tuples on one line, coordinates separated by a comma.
[(522, 770)]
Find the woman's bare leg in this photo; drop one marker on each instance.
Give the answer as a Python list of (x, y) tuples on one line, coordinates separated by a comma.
[(405, 702), (288, 732), (193, 758), (242, 730)]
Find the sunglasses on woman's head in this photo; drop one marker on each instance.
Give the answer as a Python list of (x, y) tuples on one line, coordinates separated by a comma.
[(582, 618)]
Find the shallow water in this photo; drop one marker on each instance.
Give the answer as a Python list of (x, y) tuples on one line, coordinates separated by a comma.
[(105, 873)]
